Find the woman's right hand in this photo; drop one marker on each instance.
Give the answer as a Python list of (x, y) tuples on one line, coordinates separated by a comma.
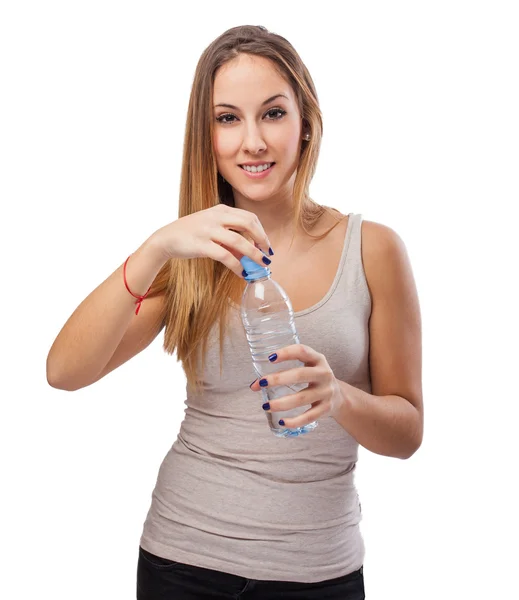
[(208, 233)]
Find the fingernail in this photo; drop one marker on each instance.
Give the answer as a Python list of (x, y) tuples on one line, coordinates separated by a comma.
[(273, 357), (266, 406), (281, 422), (263, 382), (244, 273), (271, 252), (253, 383), (266, 260)]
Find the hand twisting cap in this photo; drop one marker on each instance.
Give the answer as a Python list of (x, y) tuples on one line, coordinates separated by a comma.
[(254, 271)]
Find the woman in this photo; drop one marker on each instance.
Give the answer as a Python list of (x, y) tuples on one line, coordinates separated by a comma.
[(237, 512)]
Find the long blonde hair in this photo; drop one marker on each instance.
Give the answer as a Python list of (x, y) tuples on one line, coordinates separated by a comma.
[(197, 291)]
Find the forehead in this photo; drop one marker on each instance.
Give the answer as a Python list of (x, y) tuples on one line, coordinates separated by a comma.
[(247, 78)]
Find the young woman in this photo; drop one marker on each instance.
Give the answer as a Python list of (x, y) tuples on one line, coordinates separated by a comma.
[(236, 511)]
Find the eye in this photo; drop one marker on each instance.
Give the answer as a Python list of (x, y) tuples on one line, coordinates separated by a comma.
[(281, 112), (223, 118)]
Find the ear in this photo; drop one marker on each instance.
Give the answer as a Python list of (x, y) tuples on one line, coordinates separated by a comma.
[(305, 131)]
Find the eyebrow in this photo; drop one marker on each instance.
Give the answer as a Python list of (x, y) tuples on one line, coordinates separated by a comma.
[(267, 101)]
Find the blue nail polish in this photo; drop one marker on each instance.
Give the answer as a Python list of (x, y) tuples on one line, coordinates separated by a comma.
[(266, 260), (281, 422), (271, 252), (266, 406), (263, 382), (244, 273), (273, 357)]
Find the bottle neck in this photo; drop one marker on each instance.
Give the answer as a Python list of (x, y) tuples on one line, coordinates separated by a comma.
[(263, 278)]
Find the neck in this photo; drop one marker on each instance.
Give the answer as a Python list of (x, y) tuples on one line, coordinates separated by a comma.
[(276, 216)]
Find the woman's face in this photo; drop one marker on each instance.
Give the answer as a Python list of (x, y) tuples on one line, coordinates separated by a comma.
[(261, 124)]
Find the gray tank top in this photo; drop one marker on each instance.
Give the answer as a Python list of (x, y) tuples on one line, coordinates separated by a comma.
[(233, 497)]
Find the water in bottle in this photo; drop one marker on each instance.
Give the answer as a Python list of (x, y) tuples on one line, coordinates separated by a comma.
[(268, 319)]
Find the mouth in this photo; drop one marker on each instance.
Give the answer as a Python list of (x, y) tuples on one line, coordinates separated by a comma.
[(258, 172)]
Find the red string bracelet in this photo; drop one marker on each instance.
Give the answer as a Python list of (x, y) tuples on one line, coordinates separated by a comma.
[(139, 300)]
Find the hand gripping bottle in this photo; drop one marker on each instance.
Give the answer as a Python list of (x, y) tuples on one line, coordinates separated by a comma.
[(268, 319)]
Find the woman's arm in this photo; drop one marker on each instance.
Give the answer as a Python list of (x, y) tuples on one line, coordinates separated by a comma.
[(83, 351), (389, 421)]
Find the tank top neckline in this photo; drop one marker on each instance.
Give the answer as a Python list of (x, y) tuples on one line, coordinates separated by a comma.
[(338, 273)]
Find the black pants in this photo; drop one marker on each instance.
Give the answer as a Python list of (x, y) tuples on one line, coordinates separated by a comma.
[(162, 579)]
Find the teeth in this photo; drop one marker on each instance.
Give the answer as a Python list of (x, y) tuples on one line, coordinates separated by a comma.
[(257, 169)]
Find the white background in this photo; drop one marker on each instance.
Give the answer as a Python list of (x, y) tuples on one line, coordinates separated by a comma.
[(421, 129)]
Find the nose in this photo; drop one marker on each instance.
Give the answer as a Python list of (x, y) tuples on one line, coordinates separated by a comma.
[(253, 141)]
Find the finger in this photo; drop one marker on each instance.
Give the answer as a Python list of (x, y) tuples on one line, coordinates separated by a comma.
[(302, 398), (271, 252), (298, 375), (245, 220), (223, 255), (301, 352), (309, 416), (238, 246)]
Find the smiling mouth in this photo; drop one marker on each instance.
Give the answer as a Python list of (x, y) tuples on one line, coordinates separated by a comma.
[(258, 169)]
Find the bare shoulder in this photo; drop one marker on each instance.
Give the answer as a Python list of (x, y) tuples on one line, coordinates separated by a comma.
[(377, 236), (382, 249)]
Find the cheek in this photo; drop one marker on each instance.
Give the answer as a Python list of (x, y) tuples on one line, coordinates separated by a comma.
[(224, 145), (288, 139), (291, 147)]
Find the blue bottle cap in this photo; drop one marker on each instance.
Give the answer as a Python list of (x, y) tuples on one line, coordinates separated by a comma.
[(254, 271)]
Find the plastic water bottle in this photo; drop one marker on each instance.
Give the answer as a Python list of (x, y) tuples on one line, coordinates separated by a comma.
[(268, 319)]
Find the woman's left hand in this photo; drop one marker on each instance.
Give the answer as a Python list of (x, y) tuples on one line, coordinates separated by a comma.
[(323, 391)]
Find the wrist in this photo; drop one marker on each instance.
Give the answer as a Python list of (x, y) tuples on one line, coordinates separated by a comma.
[(155, 251), (345, 411)]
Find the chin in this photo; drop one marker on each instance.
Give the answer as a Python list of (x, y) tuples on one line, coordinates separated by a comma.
[(258, 197)]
